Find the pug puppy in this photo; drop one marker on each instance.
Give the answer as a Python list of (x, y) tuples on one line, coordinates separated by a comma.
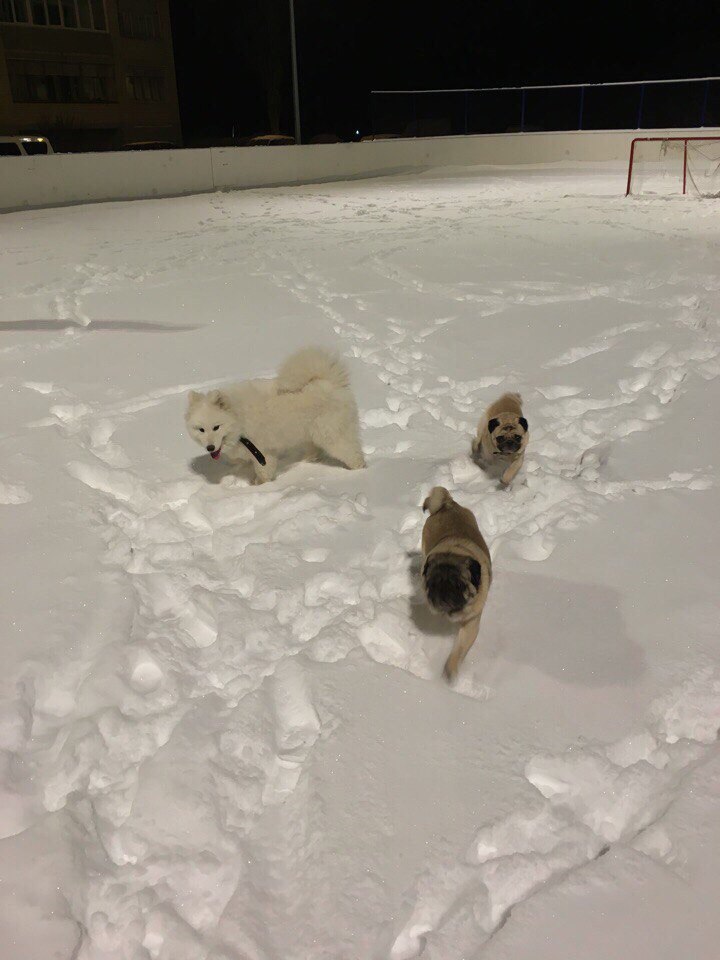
[(502, 435), (456, 570)]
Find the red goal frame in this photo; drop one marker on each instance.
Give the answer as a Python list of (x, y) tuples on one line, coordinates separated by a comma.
[(684, 140)]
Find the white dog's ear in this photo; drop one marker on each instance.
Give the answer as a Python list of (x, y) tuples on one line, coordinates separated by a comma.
[(217, 398), (193, 397)]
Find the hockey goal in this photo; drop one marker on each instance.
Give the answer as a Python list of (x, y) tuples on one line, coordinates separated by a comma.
[(664, 166)]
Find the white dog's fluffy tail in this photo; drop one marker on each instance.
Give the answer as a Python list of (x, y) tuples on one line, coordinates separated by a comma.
[(308, 365)]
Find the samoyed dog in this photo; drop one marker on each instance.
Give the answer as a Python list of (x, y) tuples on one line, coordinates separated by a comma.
[(309, 405)]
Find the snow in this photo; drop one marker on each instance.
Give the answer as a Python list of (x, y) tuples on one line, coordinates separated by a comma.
[(224, 731)]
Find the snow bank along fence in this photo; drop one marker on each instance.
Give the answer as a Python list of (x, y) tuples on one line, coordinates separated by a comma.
[(46, 181)]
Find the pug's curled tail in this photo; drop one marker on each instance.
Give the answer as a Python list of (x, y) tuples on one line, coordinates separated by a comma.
[(439, 497)]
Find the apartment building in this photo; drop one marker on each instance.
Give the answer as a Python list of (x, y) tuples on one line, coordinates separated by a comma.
[(88, 74)]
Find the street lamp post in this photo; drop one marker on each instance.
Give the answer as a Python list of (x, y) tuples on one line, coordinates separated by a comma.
[(296, 93)]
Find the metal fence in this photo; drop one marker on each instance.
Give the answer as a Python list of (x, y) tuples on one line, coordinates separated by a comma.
[(634, 105)]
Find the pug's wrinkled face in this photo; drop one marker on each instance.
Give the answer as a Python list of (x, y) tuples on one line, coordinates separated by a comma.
[(508, 434), (451, 582)]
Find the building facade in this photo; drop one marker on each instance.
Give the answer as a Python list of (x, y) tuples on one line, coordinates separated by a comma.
[(88, 74)]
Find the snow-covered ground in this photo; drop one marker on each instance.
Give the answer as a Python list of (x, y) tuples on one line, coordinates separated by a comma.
[(225, 735)]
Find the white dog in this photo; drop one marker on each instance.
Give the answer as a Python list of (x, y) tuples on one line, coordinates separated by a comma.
[(308, 403)]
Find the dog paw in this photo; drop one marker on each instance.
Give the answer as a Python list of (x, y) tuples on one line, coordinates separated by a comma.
[(450, 671), (478, 459), (231, 481)]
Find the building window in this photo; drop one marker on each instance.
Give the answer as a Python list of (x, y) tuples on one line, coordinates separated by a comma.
[(145, 88), (13, 11), (84, 15), (36, 81), (70, 14), (138, 24), (98, 13), (39, 13)]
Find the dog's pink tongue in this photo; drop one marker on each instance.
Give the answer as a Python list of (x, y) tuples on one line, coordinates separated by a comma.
[(215, 454)]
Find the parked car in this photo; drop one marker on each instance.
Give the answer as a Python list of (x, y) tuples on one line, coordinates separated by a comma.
[(24, 146), (150, 145), (271, 140), (325, 138)]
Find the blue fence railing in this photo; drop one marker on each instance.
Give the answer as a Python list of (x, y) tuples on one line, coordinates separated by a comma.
[(632, 105)]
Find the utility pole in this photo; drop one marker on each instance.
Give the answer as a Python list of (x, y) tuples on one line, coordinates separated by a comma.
[(296, 92)]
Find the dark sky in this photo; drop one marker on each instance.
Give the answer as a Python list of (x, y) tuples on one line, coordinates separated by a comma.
[(233, 62)]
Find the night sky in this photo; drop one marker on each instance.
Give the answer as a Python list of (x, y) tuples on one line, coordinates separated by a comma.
[(233, 62)]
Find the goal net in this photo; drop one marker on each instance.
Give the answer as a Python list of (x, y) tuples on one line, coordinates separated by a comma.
[(667, 166)]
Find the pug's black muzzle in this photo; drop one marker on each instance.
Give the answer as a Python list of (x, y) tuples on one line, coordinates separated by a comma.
[(510, 444)]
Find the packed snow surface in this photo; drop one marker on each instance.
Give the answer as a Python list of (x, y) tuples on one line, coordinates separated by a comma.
[(225, 735)]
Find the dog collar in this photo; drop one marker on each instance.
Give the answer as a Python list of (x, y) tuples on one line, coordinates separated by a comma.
[(253, 450)]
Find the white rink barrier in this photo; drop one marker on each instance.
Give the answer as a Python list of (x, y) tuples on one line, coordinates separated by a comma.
[(70, 178)]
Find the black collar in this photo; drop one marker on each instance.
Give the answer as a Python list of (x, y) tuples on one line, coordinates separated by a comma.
[(253, 450)]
